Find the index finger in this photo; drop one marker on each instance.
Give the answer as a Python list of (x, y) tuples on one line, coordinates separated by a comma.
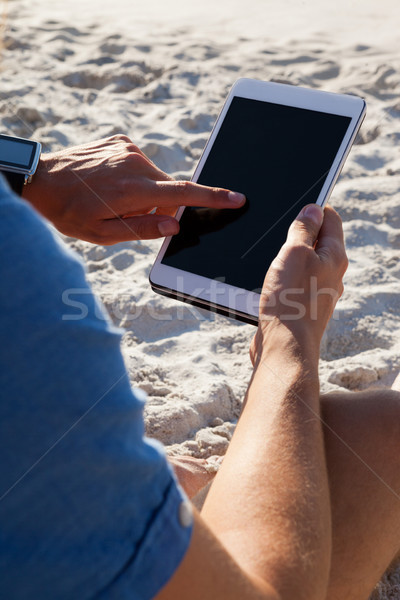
[(188, 193)]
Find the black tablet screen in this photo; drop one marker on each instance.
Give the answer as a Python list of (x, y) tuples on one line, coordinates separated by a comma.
[(279, 157)]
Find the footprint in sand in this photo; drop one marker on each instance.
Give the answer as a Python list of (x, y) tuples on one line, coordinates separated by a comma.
[(30, 115), (121, 81), (123, 260), (13, 43), (371, 162), (74, 32), (361, 48), (100, 61), (143, 48), (365, 136), (292, 60), (62, 37), (111, 47), (387, 79), (97, 253), (394, 111), (326, 70)]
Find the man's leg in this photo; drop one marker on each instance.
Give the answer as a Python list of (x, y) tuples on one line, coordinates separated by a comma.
[(362, 434)]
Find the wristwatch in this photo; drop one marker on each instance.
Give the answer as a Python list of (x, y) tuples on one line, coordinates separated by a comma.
[(19, 159)]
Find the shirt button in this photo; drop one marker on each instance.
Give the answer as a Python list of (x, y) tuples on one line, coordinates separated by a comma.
[(185, 514)]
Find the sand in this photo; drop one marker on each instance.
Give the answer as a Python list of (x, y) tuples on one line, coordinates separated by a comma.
[(79, 71)]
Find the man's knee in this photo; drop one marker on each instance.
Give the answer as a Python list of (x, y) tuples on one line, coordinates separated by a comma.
[(367, 418)]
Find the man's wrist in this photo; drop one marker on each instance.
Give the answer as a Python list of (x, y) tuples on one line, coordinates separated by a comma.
[(38, 191), (296, 342)]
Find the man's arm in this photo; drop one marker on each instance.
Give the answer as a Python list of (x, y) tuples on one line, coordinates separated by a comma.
[(272, 537), (108, 191)]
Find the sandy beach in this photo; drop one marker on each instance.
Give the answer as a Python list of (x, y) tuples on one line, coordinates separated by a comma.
[(79, 71)]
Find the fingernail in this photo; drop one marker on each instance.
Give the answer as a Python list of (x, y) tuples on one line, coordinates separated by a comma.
[(236, 198), (313, 212), (168, 228)]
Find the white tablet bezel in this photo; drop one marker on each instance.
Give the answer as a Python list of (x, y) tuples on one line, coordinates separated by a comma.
[(238, 302)]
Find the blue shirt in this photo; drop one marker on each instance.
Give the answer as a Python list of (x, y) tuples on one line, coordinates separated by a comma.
[(89, 507)]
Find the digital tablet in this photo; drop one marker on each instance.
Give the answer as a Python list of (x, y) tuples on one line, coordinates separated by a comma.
[(283, 147)]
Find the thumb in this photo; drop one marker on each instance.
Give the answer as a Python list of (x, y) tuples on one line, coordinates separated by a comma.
[(305, 228)]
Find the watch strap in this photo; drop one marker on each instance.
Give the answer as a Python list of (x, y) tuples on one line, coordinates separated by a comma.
[(15, 180)]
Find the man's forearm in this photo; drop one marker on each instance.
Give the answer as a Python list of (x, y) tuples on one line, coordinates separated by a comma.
[(277, 523)]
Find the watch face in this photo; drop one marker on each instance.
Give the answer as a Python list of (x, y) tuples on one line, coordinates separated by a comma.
[(18, 154)]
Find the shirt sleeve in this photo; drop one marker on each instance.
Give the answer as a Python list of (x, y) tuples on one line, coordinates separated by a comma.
[(88, 505)]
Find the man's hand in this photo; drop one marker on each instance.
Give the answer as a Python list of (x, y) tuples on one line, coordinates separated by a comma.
[(108, 191), (304, 281)]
